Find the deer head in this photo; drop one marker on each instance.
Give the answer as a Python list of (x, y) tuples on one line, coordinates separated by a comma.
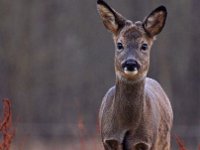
[(133, 40)]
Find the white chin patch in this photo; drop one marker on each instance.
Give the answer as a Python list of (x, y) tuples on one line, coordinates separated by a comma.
[(132, 73)]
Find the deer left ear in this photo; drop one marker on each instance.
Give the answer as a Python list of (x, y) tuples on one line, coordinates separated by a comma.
[(154, 23)]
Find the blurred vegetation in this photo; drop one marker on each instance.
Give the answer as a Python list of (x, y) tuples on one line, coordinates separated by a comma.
[(57, 63)]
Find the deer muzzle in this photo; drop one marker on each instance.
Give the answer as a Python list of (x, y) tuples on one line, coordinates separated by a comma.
[(131, 67)]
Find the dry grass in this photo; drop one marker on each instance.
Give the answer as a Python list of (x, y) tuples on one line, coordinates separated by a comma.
[(6, 125), (7, 134)]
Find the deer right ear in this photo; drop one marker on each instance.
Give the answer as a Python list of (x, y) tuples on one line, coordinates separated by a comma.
[(112, 20)]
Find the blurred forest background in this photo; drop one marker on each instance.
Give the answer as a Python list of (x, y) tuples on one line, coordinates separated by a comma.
[(56, 63)]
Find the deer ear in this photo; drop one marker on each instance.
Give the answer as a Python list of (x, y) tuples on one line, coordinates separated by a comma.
[(154, 23), (112, 20)]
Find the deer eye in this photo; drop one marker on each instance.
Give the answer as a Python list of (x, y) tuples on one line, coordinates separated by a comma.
[(144, 47), (120, 46)]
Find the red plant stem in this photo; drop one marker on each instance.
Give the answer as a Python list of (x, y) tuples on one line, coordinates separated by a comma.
[(180, 143), (81, 128), (5, 126)]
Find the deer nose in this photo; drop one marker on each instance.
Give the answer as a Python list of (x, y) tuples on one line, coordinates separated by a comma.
[(130, 65)]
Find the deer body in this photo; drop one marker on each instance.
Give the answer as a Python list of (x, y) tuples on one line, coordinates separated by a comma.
[(135, 113), (134, 116)]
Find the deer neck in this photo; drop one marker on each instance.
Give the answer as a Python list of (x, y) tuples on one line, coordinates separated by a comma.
[(129, 101)]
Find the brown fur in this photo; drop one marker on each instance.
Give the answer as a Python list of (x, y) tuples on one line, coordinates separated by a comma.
[(135, 113)]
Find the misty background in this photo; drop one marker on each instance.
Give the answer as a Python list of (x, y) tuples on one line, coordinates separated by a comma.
[(56, 64)]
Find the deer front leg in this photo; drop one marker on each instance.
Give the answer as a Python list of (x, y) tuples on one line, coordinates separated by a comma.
[(112, 145)]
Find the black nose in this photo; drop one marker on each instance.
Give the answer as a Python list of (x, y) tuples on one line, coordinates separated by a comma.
[(131, 65)]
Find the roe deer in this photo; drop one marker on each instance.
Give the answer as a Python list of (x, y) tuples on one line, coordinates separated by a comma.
[(135, 114)]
